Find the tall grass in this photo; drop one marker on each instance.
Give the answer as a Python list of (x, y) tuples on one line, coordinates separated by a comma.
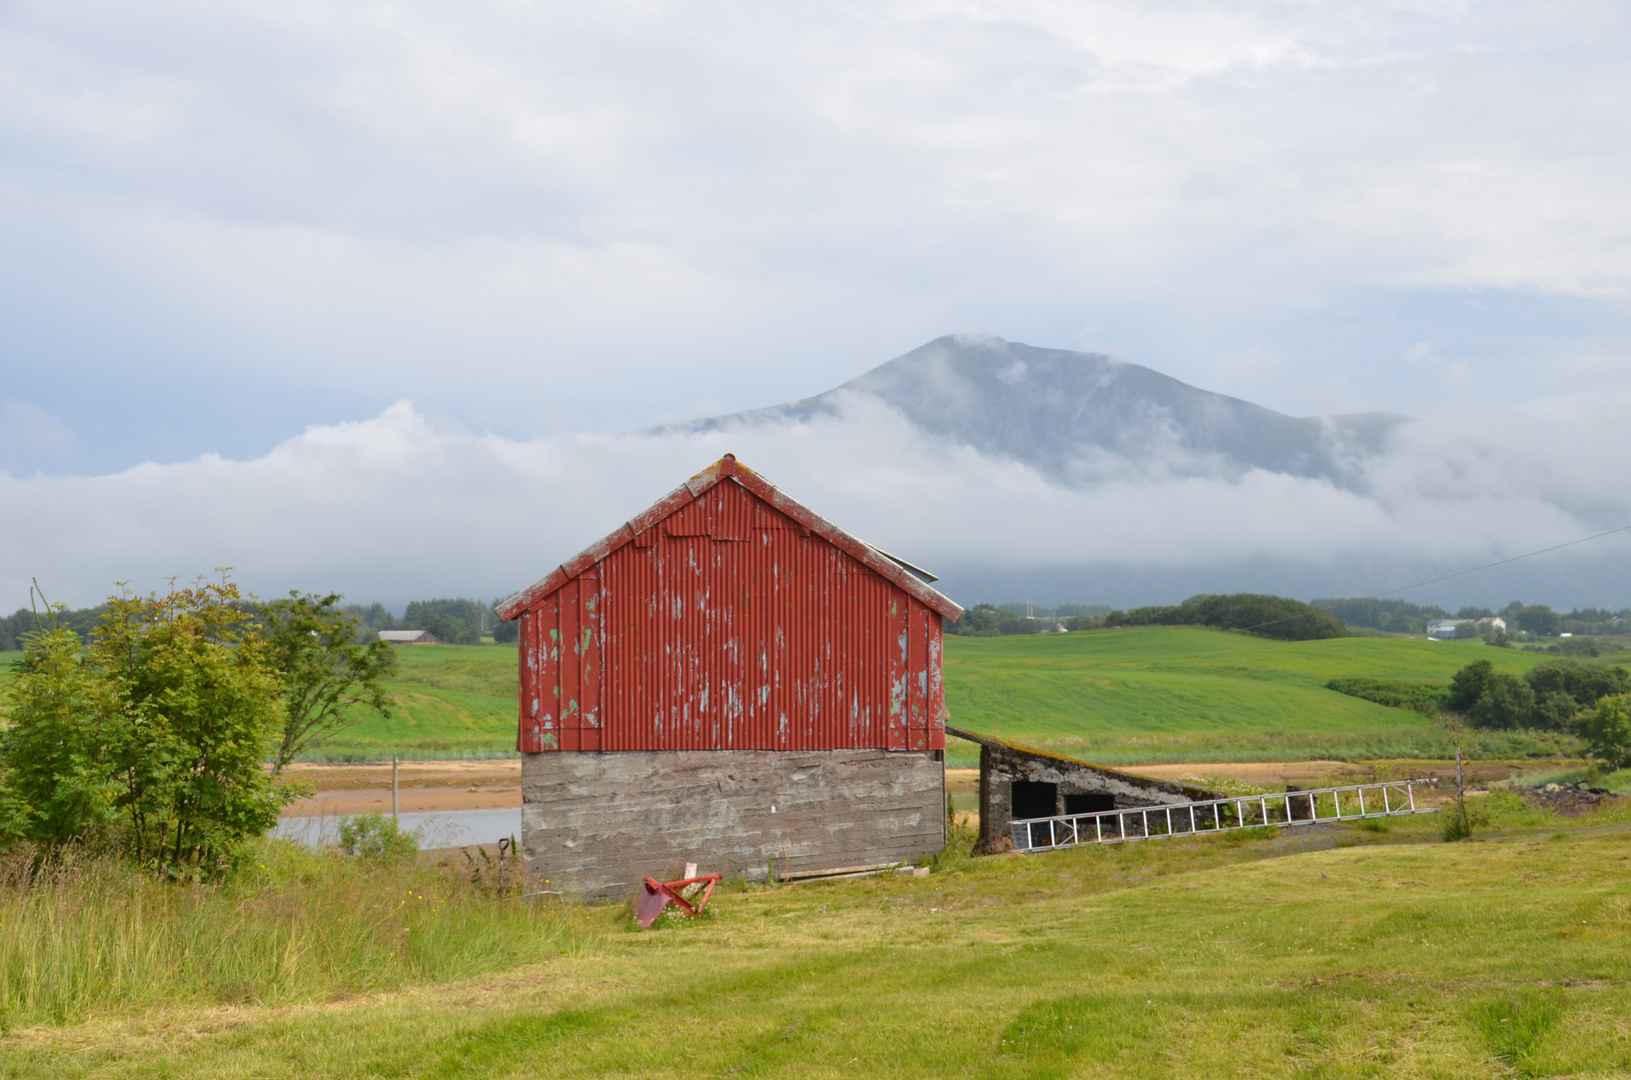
[(83, 936)]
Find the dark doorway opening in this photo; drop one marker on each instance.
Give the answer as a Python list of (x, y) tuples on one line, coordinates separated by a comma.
[(1089, 804), (1034, 799)]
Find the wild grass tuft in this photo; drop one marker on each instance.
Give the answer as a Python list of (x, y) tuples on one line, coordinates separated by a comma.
[(79, 937)]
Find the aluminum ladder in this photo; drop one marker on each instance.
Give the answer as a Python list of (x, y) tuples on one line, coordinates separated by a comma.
[(1390, 798)]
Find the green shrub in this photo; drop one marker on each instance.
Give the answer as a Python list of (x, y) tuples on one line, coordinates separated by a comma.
[(1427, 698), (1506, 703), (1467, 685), (151, 739), (1270, 616), (1609, 730), (64, 721), (1584, 683), (376, 836)]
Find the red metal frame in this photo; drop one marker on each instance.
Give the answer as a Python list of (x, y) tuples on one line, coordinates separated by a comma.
[(646, 912)]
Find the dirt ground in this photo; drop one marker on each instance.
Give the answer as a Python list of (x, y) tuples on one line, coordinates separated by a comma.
[(482, 785), (421, 786)]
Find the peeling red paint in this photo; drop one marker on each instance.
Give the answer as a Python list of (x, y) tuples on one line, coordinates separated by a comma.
[(729, 616)]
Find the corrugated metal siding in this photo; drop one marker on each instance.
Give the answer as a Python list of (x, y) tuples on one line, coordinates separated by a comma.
[(727, 625)]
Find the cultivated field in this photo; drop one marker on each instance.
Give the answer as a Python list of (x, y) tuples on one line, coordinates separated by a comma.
[(452, 701), (1154, 694), (1149, 694), (1332, 952)]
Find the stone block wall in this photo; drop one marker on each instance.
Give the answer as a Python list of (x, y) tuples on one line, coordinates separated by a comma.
[(595, 824)]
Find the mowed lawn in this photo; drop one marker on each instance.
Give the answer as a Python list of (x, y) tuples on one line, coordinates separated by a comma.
[(1332, 952), (1188, 694)]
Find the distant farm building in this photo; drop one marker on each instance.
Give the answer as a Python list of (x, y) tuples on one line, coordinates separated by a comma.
[(1019, 783), (409, 637), (729, 680)]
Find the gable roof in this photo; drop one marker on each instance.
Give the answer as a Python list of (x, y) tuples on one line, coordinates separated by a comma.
[(899, 572)]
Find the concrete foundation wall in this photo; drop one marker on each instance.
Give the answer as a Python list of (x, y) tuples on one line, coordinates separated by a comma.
[(598, 823)]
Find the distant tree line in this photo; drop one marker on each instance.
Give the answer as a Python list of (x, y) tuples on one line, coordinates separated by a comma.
[(1022, 617), (24, 621), (1270, 616), (455, 621), (1538, 620), (1568, 695)]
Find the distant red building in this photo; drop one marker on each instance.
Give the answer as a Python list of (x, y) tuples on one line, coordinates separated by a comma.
[(728, 628)]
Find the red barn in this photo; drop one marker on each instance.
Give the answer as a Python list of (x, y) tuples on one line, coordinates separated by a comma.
[(731, 680)]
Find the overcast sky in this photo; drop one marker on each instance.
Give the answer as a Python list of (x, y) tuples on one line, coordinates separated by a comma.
[(224, 223)]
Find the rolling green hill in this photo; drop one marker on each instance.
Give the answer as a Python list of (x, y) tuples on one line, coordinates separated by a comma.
[(451, 701), (1142, 694), (1191, 694)]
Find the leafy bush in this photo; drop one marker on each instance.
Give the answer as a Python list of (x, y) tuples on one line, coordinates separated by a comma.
[(1609, 730), (1427, 698), (1506, 703), (1552, 696), (152, 739), (376, 836), (1468, 684), (1583, 682), (66, 723)]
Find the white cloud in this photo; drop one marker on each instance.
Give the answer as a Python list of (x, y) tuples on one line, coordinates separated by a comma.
[(396, 508), (619, 209)]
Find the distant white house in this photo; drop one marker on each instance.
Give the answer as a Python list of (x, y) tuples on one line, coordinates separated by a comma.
[(409, 637), (1494, 622)]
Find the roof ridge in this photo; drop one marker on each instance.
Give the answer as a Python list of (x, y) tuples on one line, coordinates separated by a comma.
[(894, 570)]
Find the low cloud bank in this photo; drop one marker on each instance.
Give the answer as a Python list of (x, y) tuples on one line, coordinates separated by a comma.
[(395, 508)]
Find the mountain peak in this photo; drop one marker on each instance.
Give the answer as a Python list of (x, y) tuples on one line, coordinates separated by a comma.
[(1070, 414)]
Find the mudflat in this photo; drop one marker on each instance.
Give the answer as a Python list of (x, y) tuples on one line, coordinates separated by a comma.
[(358, 788)]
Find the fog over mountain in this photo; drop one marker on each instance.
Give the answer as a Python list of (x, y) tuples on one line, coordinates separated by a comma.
[(1077, 416), (1014, 472)]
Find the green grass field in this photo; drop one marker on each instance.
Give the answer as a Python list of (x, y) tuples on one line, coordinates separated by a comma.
[(1331, 952), (450, 701), (1115, 696), (1190, 694)]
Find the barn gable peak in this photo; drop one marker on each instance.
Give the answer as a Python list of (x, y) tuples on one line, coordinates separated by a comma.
[(912, 579)]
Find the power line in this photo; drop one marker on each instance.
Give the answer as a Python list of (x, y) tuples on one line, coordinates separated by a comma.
[(1503, 562), (1458, 573)]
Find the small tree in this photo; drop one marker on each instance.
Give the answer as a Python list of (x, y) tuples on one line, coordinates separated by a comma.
[(1467, 685), (1609, 731), (328, 674), (202, 708), (1506, 703), (63, 721)]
